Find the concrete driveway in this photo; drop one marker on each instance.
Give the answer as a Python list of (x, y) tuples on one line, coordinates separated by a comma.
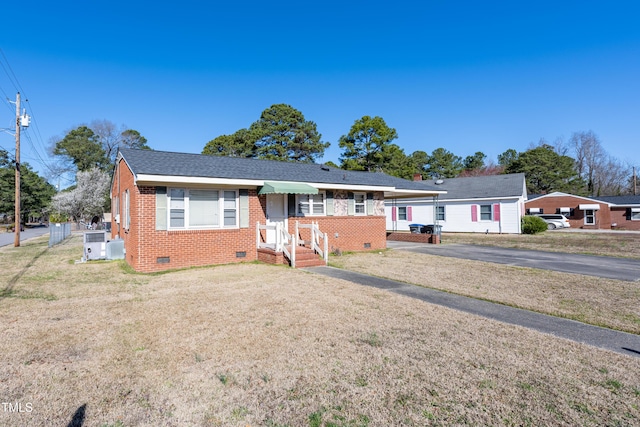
[(599, 266)]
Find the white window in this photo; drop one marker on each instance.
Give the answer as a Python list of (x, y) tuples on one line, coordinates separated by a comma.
[(126, 216), (589, 217), (440, 213), (485, 213), (311, 204), (230, 209), (202, 208), (634, 214), (359, 203), (176, 208), (402, 213)]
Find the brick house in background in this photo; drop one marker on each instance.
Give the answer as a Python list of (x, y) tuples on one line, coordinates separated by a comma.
[(176, 210), (582, 212), (625, 211)]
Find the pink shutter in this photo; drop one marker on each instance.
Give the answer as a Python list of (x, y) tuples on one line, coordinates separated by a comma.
[(496, 212), (474, 213), (409, 216), (393, 213)]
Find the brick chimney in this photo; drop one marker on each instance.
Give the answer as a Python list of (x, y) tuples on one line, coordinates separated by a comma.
[(417, 177)]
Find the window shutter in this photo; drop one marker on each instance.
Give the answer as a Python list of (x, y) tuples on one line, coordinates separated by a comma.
[(244, 208), (496, 212), (394, 213), (351, 206), (474, 213), (329, 200), (369, 203), (628, 213), (161, 208), (291, 204), (409, 214)]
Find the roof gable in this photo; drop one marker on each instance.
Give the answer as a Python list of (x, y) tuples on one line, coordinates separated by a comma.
[(558, 194)]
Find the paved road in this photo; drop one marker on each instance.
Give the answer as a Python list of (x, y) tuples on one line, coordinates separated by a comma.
[(620, 342), (28, 233), (599, 266)]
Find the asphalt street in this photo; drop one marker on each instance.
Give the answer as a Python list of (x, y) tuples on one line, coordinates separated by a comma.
[(599, 266), (28, 233)]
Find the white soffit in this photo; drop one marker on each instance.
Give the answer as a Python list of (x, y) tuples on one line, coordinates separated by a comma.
[(592, 207)]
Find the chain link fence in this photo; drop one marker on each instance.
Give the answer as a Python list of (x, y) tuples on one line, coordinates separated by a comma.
[(58, 232)]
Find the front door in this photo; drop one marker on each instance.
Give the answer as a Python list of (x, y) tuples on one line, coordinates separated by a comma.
[(276, 214)]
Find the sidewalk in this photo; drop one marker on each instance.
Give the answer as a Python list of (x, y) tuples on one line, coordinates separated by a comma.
[(619, 342)]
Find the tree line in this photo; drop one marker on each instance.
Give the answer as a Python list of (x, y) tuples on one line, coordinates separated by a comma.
[(578, 166)]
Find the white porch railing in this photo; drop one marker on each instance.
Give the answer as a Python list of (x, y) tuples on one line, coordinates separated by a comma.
[(314, 241), (282, 240), (287, 243)]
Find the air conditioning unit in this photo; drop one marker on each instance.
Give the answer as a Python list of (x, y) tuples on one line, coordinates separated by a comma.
[(115, 249), (95, 243)]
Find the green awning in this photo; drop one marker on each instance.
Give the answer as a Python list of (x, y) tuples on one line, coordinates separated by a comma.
[(287, 188)]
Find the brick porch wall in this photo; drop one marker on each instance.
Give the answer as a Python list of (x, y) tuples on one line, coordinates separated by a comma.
[(347, 233)]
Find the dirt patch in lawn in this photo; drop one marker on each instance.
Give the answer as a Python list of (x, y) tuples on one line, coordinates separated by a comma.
[(264, 345)]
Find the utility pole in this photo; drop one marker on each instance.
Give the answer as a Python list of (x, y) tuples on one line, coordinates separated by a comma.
[(17, 219)]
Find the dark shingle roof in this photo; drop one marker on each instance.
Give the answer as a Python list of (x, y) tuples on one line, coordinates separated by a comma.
[(620, 200), (479, 187), (151, 162)]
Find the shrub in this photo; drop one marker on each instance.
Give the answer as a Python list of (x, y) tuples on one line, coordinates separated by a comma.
[(58, 217), (533, 224)]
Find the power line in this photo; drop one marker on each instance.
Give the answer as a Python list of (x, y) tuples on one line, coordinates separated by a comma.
[(12, 76)]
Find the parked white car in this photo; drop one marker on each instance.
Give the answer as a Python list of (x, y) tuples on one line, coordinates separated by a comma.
[(555, 221)]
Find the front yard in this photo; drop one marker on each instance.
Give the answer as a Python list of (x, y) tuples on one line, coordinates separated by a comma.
[(264, 345)]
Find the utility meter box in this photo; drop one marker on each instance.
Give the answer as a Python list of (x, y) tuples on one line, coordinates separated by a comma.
[(95, 245)]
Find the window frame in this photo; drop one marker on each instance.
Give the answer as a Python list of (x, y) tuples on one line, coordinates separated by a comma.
[(635, 216), (587, 216), (480, 216), (221, 208), (401, 216), (311, 204), (441, 214), (357, 204)]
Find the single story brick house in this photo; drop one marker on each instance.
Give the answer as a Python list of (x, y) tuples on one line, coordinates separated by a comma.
[(176, 210), (582, 212), (625, 211), (479, 204)]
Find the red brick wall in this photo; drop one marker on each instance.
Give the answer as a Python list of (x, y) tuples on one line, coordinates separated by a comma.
[(352, 231), (413, 237), (619, 217), (550, 204)]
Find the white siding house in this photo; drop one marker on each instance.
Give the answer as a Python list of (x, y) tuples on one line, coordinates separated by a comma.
[(482, 204)]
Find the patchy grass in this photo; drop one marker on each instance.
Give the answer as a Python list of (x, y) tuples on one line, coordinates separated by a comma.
[(603, 302), (258, 345), (617, 244)]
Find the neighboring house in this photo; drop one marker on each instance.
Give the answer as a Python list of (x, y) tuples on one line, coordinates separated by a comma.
[(177, 210), (480, 204), (582, 212), (625, 211)]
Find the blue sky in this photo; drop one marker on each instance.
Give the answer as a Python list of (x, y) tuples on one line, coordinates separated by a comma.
[(466, 76)]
